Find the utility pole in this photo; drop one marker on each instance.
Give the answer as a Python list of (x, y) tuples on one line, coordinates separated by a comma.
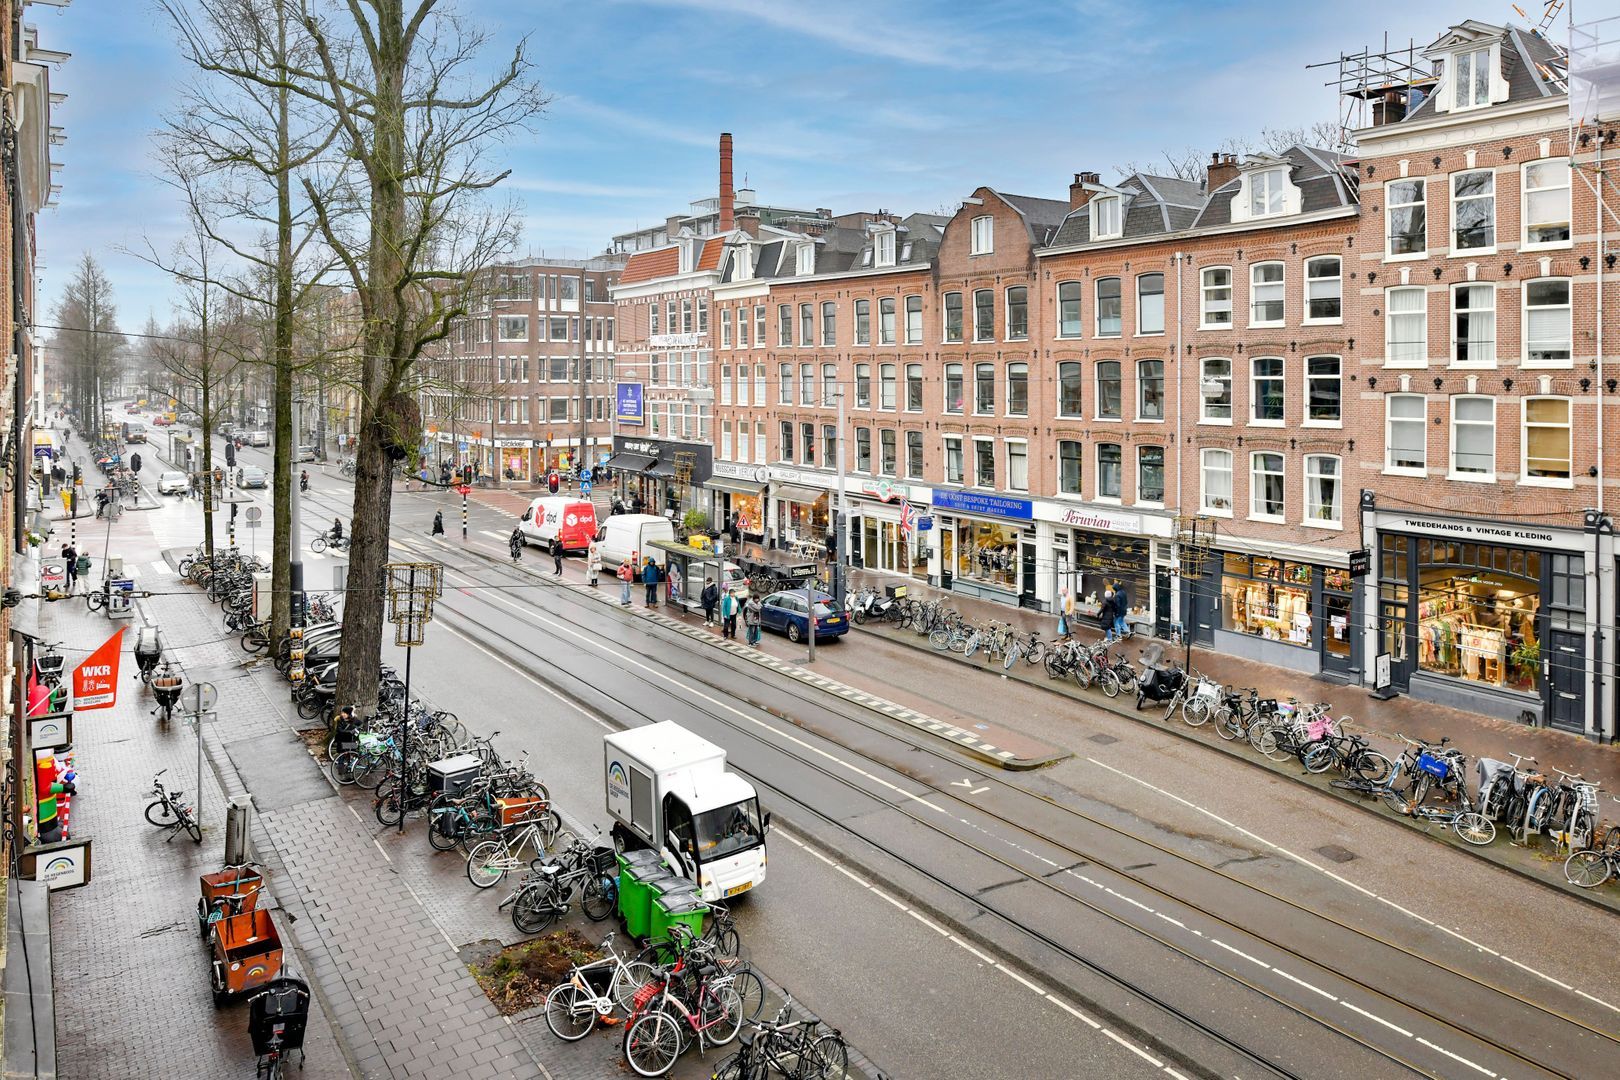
[(840, 517), (584, 332), (295, 537)]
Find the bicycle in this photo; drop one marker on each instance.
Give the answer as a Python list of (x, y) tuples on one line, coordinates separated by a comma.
[(1593, 866), (1350, 754), (545, 893), (797, 1049), (657, 1038), (166, 811), (1473, 827), (326, 539), (593, 991), (489, 863)]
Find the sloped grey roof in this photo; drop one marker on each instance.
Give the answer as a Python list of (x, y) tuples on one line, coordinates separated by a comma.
[(1041, 216), (1153, 205), (1522, 50), (1314, 171)]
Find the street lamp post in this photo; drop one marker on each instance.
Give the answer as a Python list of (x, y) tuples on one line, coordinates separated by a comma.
[(840, 542)]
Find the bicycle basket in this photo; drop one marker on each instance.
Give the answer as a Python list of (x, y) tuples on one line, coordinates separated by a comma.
[(604, 862), (1438, 768), (644, 995)]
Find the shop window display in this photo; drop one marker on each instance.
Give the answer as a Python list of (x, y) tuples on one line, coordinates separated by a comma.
[(987, 552), (1477, 610), (1267, 598)]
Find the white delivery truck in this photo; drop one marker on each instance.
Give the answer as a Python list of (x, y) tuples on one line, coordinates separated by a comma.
[(668, 790), (630, 536)]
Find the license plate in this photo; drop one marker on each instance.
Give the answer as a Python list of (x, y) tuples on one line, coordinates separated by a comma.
[(735, 889), (835, 620)]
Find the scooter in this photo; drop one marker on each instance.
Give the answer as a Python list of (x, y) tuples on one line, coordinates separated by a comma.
[(1160, 681)]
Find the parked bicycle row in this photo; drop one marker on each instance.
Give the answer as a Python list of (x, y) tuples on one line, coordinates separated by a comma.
[(1422, 780)]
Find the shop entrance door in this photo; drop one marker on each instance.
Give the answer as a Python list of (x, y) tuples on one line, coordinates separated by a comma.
[(1026, 575), (1205, 607), (1566, 659), (1161, 602), (947, 552), (1392, 639)]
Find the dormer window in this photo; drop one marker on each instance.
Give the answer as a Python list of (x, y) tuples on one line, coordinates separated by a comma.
[(1105, 218), (806, 259), (743, 263), (1268, 193), (1471, 79), (883, 242)]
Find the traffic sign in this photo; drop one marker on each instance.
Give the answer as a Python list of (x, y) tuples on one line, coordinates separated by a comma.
[(464, 490), (200, 697), (584, 487), (585, 474), (253, 514)]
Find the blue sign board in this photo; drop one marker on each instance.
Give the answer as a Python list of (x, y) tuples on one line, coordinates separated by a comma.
[(42, 451), (924, 524), (585, 474), (627, 404), (461, 446), (980, 502), (584, 487)]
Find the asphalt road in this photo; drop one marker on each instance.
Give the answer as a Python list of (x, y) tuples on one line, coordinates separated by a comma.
[(1122, 921)]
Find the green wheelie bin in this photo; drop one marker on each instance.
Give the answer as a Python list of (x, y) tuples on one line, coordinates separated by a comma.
[(685, 907), (638, 886)]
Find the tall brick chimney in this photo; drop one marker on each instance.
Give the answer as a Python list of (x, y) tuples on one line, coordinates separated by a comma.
[(728, 197), (1222, 170), (1078, 195)]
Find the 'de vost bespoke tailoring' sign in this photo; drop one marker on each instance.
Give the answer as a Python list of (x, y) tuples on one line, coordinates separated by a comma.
[(982, 503)]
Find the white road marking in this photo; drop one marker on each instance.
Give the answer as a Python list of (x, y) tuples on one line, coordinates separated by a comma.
[(576, 706), (1456, 1057), (1137, 1050), (1240, 952), (1344, 880), (161, 567), (1376, 1017), (1313, 989)]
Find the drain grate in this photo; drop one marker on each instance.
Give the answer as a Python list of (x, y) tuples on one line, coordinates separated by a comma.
[(1103, 740), (1336, 853)]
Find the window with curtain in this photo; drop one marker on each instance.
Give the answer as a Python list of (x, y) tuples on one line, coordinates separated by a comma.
[(1323, 490), (1216, 480), (1547, 439), (953, 459), (1405, 437), (1215, 303), (1110, 392), (1070, 381), (1547, 332), (1473, 436), (1267, 293), (1150, 390), (1215, 389), (1150, 474), (1150, 304), (1324, 289), (1473, 321), (1018, 389), (807, 443), (1266, 485), (742, 328), (1546, 202), (1069, 457), (1017, 465), (1406, 327)]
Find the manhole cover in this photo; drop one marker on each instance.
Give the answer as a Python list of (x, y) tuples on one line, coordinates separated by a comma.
[(1336, 853), (1103, 740)]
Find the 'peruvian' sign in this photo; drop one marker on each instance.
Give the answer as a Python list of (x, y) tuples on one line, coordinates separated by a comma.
[(95, 682), (627, 404)]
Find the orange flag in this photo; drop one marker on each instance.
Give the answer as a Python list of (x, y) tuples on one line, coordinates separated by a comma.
[(95, 682)]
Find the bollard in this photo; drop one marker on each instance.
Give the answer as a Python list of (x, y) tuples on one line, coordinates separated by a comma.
[(238, 817)]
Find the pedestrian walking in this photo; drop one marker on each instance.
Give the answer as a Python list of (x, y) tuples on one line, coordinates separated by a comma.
[(751, 619), (1107, 615), (593, 562), (736, 531), (728, 614), (70, 558), (556, 557), (710, 596), (626, 574), (1122, 608), (438, 523), (649, 578)]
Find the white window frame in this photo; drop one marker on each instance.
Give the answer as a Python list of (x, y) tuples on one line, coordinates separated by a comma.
[(961, 460), (742, 327), (1097, 308), (914, 332), (725, 384), (1204, 470), (1390, 206), (1255, 485), (1422, 422), (1452, 472), (1469, 288), (1338, 281), (1142, 449), (887, 320), (500, 327), (1484, 249), (983, 334), (1524, 315), (1204, 416), (804, 259), (1390, 316), (1204, 289), (1007, 309), (982, 235), (1141, 392), (1142, 307), (1080, 466), (1107, 217), (1119, 496), (863, 322), (1080, 371), (1254, 390), (1525, 479), (1457, 83), (1281, 287), (1274, 183), (1022, 445), (1313, 479), (945, 317), (725, 329), (883, 247), (1525, 191), (1310, 379), (1079, 309), (977, 441)]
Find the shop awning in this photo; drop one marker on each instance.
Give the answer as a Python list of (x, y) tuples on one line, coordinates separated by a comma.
[(629, 462), (662, 470), (736, 487), (795, 493)]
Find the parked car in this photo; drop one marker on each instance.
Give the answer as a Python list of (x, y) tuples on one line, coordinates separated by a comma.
[(250, 476), (172, 483), (785, 612), (134, 432), (257, 438), (161, 420), (305, 452)]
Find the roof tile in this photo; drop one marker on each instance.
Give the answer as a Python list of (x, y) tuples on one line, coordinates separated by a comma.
[(647, 265)]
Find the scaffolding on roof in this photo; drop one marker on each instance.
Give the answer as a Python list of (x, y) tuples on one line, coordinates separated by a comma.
[(1379, 86)]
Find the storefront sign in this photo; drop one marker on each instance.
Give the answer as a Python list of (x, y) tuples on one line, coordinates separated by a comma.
[(983, 503), (512, 443), (754, 474), (50, 732), (1360, 563), (675, 341), (924, 524), (627, 404), (60, 866), (1089, 518), (1493, 532)]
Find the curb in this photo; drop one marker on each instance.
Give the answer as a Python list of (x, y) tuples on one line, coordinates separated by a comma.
[(1596, 898)]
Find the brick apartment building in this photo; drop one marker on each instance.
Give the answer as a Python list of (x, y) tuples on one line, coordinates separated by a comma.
[(525, 383), (1482, 394)]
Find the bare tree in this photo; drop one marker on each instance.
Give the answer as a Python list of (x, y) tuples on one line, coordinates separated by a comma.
[(1190, 163), (87, 342), (233, 146), (417, 126)]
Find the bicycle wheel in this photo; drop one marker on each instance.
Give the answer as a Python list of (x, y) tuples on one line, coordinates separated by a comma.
[(165, 816), (1395, 801), (318, 544), (1229, 724), (828, 1058), (972, 646), (1587, 869), (94, 599), (750, 989), (1371, 766), (1011, 658), (596, 901), (346, 767), (1085, 672), (1611, 840), (1108, 679), (727, 943), (386, 805), (193, 827), (486, 864), (569, 1017), (445, 829), (1476, 829), (652, 1044), (534, 909), (633, 977), (1318, 757), (1195, 711), (721, 1014), (1263, 737), (1581, 830), (311, 707)]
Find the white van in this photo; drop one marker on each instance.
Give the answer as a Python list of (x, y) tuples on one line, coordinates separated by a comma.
[(626, 535), (560, 517)]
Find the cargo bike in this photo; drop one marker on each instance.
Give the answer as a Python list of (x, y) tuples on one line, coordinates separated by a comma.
[(244, 947)]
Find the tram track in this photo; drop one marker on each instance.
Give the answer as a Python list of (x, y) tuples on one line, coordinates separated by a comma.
[(821, 701)]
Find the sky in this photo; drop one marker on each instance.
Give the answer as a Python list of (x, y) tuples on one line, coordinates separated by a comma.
[(903, 105)]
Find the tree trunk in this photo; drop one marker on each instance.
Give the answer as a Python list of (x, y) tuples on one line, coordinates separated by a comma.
[(281, 467)]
